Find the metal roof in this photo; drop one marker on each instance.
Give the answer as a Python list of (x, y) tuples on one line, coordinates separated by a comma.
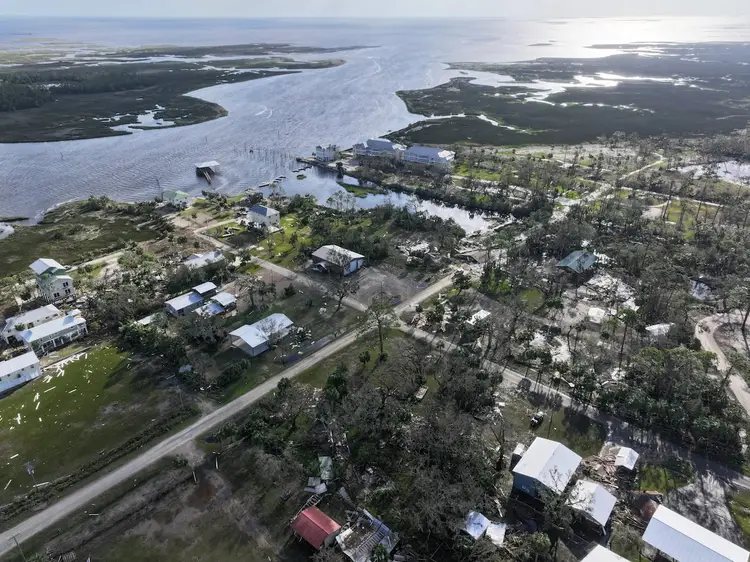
[(147, 320), (592, 499), (259, 332), (549, 463), (380, 144), (32, 316), (431, 152), (185, 301), (333, 253), (476, 524), (210, 309), (224, 299), (579, 261), (263, 211), (686, 541), (52, 327), (197, 261), (44, 264), (18, 363), (209, 164), (601, 554), (626, 457), (314, 526), (204, 287)]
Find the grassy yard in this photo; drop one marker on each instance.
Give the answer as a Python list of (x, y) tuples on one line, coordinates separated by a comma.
[(739, 506), (71, 236), (671, 474), (70, 414), (573, 430), (298, 310), (463, 169)]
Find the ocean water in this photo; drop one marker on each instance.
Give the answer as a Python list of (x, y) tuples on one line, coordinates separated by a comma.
[(272, 121)]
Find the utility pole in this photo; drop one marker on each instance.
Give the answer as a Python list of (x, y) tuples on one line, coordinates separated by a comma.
[(18, 546)]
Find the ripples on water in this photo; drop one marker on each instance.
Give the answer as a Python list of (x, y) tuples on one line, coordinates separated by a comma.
[(282, 117)]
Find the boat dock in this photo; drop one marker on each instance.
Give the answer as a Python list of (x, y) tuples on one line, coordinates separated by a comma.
[(207, 170)]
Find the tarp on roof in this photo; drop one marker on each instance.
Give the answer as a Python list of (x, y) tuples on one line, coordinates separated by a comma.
[(601, 554), (476, 524), (685, 541), (44, 264), (592, 499), (18, 363), (549, 463), (578, 261), (626, 457), (314, 526), (333, 254)]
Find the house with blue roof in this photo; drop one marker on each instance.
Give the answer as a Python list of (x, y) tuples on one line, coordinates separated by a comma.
[(264, 216), (578, 262)]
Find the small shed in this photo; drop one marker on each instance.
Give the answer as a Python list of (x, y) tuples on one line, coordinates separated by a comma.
[(676, 536), (265, 216), (626, 458), (579, 261), (657, 331), (315, 527), (477, 317), (476, 524), (546, 464), (601, 554), (592, 500), (338, 259)]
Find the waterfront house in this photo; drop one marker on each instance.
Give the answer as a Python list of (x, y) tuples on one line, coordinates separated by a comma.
[(429, 156), (264, 216), (199, 261), (378, 148), (256, 338), (19, 370), (684, 541), (52, 280), (337, 259), (546, 465), (326, 153), (17, 324), (56, 333), (176, 198)]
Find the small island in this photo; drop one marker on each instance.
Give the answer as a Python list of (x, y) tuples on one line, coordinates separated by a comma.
[(119, 93)]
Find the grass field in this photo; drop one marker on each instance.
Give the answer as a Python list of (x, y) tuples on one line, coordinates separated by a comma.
[(574, 430), (671, 474), (71, 236), (70, 414), (739, 506)]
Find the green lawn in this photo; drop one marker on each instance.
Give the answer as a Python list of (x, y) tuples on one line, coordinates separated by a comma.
[(463, 169), (739, 506), (671, 474), (534, 298), (66, 417), (574, 430)]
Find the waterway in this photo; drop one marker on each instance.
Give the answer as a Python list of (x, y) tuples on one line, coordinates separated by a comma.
[(273, 120)]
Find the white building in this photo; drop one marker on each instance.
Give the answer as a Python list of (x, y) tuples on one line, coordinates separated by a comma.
[(378, 148), (337, 259), (546, 464), (601, 554), (199, 261), (52, 280), (626, 458), (685, 541), (326, 153), (256, 338), (181, 305), (19, 370), (429, 156), (592, 500), (478, 317), (220, 303), (56, 333), (17, 324), (265, 216)]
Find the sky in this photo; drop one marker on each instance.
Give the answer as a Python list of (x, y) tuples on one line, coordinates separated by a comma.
[(378, 8)]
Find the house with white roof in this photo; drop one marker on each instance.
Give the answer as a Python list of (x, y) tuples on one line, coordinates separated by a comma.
[(337, 259), (626, 458), (256, 338), (220, 303), (181, 305), (264, 216), (378, 148), (429, 156), (199, 261), (17, 324), (52, 280), (593, 501), (326, 153), (601, 554), (545, 465), (55, 333), (19, 370), (684, 541)]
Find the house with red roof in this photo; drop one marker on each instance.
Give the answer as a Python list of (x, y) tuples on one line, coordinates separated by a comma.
[(315, 527)]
